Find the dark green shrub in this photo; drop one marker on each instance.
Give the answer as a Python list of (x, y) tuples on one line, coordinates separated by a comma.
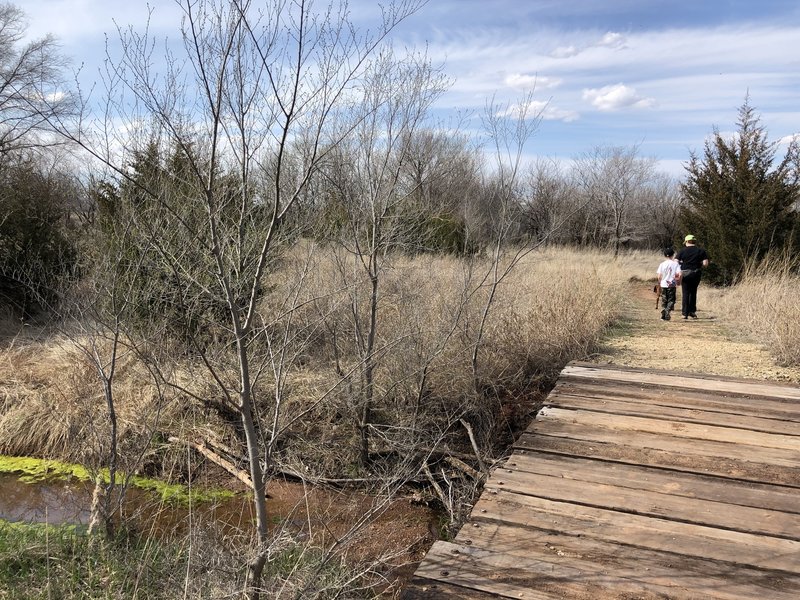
[(36, 252)]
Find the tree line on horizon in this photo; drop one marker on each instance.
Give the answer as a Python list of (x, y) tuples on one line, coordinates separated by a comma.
[(737, 197)]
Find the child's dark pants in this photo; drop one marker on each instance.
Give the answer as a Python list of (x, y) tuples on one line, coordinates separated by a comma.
[(668, 296)]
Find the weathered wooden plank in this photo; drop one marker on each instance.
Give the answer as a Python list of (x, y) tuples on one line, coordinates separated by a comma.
[(637, 484), (632, 451), (681, 398), (673, 373), (716, 385), (672, 428), (760, 551), (652, 570), (672, 413), (421, 588), (538, 576), (667, 481), (442, 565), (691, 446), (651, 503)]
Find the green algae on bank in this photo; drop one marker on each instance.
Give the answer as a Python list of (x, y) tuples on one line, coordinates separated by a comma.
[(37, 470)]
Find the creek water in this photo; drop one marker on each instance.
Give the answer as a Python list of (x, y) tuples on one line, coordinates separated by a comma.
[(60, 502), (324, 514), (56, 503)]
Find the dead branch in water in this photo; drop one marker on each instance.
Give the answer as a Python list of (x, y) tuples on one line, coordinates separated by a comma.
[(204, 449)]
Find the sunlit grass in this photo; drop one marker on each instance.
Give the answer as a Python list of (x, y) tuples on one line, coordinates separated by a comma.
[(764, 304), (44, 561)]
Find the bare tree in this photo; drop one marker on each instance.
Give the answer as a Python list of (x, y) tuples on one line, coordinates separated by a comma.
[(612, 179), (508, 129), (397, 96), (250, 83), (549, 202), (92, 317), (442, 173), (656, 216), (32, 90)]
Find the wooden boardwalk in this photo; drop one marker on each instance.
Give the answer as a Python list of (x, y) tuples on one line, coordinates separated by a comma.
[(637, 484)]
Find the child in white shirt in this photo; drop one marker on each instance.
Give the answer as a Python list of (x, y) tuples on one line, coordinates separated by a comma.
[(669, 274)]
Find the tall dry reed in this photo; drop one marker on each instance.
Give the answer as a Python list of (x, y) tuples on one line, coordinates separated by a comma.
[(53, 404), (763, 304)]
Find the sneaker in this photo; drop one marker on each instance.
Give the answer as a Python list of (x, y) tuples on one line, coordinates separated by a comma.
[(664, 315), (694, 316)]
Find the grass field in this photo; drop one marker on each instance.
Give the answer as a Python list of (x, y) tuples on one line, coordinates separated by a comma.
[(553, 307)]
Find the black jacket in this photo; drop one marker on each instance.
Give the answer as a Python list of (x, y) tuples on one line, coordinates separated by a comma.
[(691, 257)]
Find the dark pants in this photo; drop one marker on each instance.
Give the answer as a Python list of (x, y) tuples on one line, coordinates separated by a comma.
[(668, 296), (689, 282)]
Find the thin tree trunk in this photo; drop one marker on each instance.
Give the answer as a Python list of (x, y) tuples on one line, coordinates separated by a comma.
[(369, 371), (256, 565)]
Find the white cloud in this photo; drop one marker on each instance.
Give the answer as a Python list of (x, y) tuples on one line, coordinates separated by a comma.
[(612, 40), (565, 52), (524, 81), (517, 110), (55, 97), (553, 113), (539, 109), (616, 97), (788, 139)]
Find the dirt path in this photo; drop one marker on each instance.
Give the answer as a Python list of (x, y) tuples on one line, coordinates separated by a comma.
[(706, 345)]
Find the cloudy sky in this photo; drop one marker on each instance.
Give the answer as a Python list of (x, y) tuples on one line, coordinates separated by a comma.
[(660, 74)]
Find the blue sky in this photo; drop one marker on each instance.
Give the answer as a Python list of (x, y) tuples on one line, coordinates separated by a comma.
[(655, 73)]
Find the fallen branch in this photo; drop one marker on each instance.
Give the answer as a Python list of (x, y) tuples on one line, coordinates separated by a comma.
[(443, 498), (315, 480), (474, 443), (231, 468), (462, 466)]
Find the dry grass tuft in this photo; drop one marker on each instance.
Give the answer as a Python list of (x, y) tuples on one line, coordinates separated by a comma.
[(764, 305), (53, 404)]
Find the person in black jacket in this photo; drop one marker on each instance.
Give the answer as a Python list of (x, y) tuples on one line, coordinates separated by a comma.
[(692, 259)]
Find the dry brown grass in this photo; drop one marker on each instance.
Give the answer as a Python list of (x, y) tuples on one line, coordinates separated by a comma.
[(41, 393), (764, 305), (53, 404), (552, 308)]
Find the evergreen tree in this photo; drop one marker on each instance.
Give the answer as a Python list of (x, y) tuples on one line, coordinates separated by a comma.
[(740, 206), (143, 221), (36, 250)]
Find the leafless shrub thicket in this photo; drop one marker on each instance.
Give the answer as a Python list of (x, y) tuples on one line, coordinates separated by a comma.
[(611, 197)]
